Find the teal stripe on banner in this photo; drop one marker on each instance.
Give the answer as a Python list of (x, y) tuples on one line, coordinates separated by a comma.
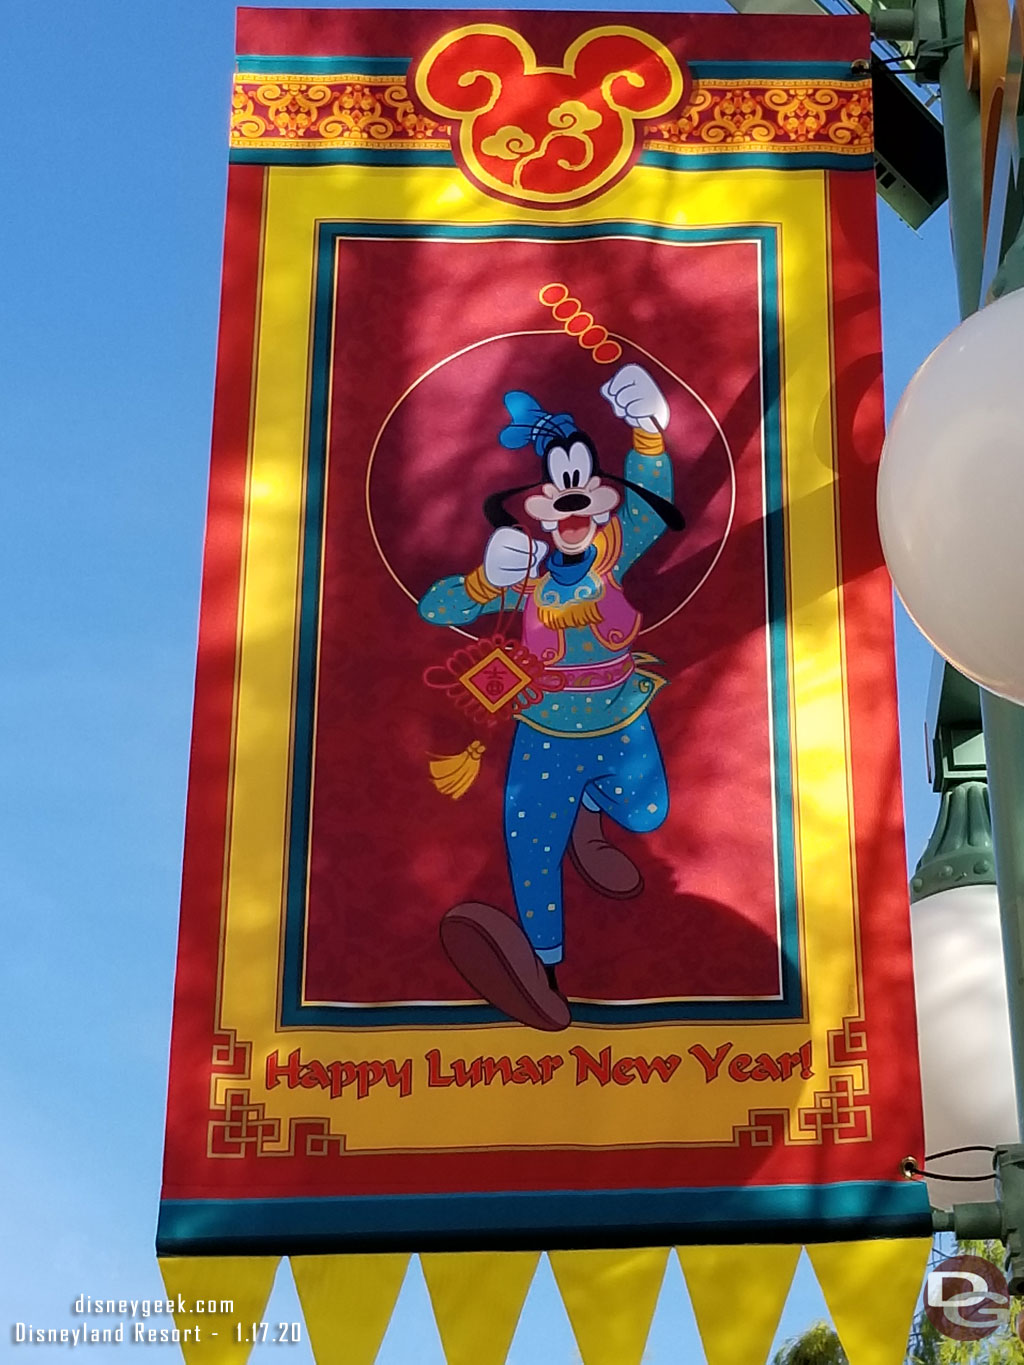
[(398, 66), (555, 1219), (771, 161), (323, 66), (776, 71), (337, 156), (672, 161)]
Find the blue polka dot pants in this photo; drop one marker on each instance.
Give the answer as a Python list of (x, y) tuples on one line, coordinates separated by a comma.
[(621, 774)]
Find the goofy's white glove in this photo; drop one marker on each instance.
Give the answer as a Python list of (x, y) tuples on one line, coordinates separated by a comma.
[(511, 556), (635, 396)]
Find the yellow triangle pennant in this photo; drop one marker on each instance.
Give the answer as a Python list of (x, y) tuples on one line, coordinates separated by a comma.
[(610, 1297), (347, 1302), (738, 1294), (477, 1298), (871, 1290), (231, 1294)]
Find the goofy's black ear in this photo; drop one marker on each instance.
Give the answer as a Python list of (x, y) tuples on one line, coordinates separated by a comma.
[(494, 506)]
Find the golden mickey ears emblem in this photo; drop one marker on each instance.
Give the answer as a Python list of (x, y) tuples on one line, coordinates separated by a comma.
[(545, 135)]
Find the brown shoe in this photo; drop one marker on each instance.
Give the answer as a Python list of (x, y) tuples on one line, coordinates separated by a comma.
[(489, 949), (603, 867)]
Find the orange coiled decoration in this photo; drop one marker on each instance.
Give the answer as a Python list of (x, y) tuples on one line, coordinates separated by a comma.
[(579, 323)]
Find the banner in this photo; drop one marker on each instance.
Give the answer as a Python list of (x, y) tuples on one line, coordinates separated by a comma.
[(544, 880)]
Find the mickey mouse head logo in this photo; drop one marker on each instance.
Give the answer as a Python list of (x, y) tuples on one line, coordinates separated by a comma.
[(548, 135)]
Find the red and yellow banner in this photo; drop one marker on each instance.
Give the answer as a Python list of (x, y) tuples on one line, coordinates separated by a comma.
[(544, 882)]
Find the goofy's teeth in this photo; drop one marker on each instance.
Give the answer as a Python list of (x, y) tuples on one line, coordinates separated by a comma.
[(549, 525), (600, 518)]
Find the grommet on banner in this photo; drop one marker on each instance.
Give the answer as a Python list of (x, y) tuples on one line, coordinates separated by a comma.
[(913, 1171)]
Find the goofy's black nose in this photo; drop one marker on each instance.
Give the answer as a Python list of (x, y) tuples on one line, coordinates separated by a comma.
[(571, 502)]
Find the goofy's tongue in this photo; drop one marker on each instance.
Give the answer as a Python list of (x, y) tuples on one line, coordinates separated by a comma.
[(574, 529)]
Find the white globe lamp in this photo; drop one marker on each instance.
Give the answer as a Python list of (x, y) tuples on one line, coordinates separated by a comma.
[(951, 497)]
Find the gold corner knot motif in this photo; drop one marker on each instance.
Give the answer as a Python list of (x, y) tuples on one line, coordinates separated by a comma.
[(839, 1113), (239, 1126)]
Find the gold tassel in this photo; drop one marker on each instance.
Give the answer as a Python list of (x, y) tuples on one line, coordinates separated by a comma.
[(454, 774)]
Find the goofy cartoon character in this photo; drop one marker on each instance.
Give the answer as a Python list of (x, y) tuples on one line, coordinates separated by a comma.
[(586, 750)]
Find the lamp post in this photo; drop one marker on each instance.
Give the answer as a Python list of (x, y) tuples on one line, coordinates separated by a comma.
[(963, 1024), (974, 52)]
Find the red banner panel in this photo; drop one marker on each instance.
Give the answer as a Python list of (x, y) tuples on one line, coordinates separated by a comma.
[(544, 881)]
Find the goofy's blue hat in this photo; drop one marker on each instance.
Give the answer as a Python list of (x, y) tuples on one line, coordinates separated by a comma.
[(530, 422)]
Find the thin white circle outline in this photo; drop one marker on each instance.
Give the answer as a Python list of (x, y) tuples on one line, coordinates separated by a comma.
[(553, 331)]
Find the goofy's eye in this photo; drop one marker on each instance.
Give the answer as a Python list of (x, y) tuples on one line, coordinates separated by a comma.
[(570, 468)]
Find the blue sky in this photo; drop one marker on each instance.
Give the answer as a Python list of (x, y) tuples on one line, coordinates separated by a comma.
[(113, 168)]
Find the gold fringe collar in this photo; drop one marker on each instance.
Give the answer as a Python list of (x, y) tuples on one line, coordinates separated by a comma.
[(570, 614)]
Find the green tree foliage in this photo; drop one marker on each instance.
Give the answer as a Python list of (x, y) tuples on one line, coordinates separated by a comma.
[(819, 1345)]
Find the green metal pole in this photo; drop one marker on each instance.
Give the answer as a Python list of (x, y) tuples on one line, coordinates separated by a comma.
[(961, 124), (1003, 725), (1002, 721)]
